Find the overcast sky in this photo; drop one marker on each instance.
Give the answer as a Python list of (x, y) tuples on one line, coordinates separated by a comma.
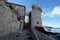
[(50, 8)]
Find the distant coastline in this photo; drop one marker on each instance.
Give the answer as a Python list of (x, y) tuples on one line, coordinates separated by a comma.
[(55, 30)]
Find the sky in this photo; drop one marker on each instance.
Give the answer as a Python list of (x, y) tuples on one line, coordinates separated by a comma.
[(50, 10)]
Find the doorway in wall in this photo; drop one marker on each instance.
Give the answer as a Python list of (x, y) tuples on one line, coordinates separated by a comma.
[(28, 22)]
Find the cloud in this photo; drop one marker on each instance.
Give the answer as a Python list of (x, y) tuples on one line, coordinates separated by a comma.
[(55, 11)]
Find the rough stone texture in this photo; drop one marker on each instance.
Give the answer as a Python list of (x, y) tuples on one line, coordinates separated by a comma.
[(43, 36), (12, 36), (35, 18), (8, 20)]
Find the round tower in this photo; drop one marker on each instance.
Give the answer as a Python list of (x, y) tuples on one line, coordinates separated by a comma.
[(36, 16)]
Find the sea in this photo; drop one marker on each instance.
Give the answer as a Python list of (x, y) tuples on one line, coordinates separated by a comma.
[(55, 30)]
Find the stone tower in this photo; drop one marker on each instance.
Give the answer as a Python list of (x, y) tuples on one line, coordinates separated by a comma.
[(36, 16)]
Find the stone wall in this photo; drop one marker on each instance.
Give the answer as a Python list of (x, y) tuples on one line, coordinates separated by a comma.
[(8, 19)]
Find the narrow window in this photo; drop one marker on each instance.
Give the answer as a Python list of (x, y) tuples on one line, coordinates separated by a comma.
[(37, 22), (18, 18)]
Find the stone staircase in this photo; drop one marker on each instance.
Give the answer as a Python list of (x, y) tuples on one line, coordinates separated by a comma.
[(29, 35)]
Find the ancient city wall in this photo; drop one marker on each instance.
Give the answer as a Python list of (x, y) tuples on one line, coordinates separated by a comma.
[(8, 19)]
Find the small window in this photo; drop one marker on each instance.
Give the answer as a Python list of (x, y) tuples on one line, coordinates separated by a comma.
[(20, 22), (18, 18), (37, 22)]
